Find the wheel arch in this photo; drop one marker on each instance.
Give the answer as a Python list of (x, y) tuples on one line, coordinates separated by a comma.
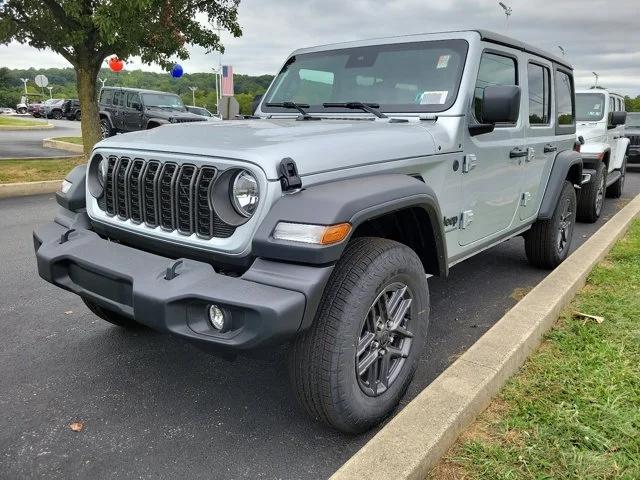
[(567, 166), (387, 206)]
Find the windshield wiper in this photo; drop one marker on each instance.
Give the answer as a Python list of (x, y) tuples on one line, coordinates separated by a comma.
[(295, 106), (367, 107)]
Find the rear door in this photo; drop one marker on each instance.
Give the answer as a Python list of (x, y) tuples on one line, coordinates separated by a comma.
[(132, 113), (119, 101), (491, 187), (540, 133)]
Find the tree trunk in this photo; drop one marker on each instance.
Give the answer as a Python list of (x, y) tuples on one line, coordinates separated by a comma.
[(86, 78)]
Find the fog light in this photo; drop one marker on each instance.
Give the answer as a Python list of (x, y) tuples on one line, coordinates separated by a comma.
[(217, 317), (65, 187)]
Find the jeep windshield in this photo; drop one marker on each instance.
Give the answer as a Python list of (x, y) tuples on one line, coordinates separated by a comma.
[(160, 100), (589, 107), (633, 120), (399, 77)]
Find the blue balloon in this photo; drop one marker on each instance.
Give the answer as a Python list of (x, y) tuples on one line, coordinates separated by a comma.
[(176, 71)]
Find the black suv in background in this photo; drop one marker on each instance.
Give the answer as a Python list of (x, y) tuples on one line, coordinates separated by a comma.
[(71, 109), (632, 132), (130, 109)]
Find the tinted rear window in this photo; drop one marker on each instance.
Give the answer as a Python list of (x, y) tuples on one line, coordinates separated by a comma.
[(589, 107)]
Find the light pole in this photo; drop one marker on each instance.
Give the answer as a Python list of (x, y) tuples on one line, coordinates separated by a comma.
[(50, 95), (102, 81), (597, 76), (193, 95), (25, 80), (562, 50)]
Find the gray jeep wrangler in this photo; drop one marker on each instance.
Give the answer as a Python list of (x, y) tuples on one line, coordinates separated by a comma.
[(370, 166)]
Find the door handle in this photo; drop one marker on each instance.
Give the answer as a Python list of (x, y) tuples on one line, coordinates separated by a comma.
[(550, 148), (518, 153)]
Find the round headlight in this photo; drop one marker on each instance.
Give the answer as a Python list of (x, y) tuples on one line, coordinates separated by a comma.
[(245, 193), (103, 167)]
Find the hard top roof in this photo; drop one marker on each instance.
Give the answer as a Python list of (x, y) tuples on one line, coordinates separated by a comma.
[(139, 90), (484, 35)]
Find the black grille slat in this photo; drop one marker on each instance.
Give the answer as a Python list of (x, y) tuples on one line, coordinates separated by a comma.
[(110, 205), (167, 195), (166, 188), (135, 190), (634, 139), (120, 188), (185, 198), (150, 194)]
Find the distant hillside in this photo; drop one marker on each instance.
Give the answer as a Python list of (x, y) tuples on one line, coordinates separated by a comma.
[(64, 84)]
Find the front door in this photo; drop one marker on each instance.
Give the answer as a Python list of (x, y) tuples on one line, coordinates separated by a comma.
[(494, 161), (541, 138), (132, 113)]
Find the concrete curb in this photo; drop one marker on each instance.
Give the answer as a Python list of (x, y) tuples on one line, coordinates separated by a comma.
[(12, 128), (415, 439), (8, 190), (70, 147)]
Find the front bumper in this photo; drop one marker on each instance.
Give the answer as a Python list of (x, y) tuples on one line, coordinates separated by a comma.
[(267, 304)]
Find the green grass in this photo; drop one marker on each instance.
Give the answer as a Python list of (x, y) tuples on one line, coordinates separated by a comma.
[(33, 170), (573, 411), (18, 122), (76, 140)]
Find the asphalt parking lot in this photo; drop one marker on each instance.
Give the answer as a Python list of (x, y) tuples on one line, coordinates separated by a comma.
[(28, 143), (154, 407)]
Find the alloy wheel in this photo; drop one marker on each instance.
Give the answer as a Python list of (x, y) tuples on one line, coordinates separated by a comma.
[(385, 339), (564, 228), (600, 196)]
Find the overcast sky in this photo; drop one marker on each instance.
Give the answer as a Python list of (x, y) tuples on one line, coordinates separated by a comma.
[(598, 35)]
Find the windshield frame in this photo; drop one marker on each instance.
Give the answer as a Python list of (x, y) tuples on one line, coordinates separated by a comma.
[(461, 45), (604, 107)]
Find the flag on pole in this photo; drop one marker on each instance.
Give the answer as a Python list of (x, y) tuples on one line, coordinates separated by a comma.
[(227, 81)]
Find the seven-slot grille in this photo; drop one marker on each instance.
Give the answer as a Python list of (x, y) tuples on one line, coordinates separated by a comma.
[(166, 195)]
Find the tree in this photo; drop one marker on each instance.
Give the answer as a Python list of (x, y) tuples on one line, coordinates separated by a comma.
[(86, 32)]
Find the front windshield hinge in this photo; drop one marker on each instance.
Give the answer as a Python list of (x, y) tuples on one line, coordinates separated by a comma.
[(428, 117), (289, 177)]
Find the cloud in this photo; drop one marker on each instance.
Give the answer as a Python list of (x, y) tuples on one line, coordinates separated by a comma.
[(598, 35)]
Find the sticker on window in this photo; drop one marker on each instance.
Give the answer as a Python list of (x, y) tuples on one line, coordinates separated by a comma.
[(434, 98), (443, 61)]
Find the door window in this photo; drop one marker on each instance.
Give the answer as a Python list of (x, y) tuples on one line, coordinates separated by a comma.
[(564, 100), (118, 98), (494, 70), (107, 97), (132, 99), (539, 94)]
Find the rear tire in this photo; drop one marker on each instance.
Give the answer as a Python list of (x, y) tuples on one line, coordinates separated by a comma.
[(22, 111), (112, 317), (57, 115), (591, 196), (353, 365), (79, 116), (548, 242), (615, 189)]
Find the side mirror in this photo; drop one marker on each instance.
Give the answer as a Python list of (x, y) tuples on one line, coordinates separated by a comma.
[(256, 101), (617, 118), (500, 104)]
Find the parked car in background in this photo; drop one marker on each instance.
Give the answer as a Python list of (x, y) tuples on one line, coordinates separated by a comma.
[(632, 132), (7, 111), (71, 109), (203, 112), (369, 165), (53, 108), (27, 99), (601, 117), (36, 109), (129, 109)]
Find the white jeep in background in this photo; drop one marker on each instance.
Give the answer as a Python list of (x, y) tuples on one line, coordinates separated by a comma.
[(600, 117)]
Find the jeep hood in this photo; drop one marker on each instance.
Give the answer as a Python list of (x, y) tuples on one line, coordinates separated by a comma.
[(316, 146)]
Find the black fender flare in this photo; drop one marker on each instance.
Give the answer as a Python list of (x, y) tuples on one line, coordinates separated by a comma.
[(354, 200), (103, 114), (158, 121), (567, 166), (75, 198)]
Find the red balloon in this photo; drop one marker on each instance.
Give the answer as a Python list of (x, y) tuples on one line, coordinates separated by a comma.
[(115, 64)]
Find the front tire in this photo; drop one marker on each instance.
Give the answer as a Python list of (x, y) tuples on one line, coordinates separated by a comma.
[(57, 115), (351, 368), (548, 242), (105, 128), (111, 317), (591, 196), (615, 189)]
